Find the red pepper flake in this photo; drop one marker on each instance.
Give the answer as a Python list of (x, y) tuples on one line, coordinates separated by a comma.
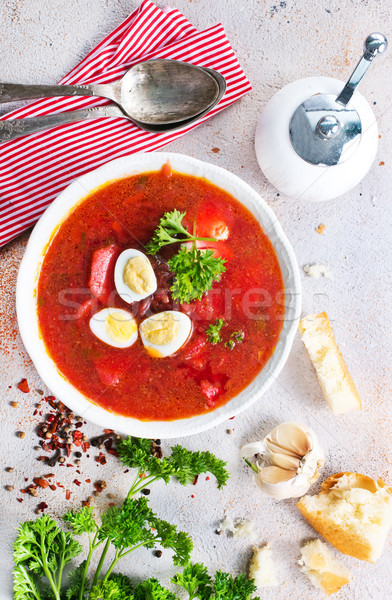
[(113, 452), (67, 449), (108, 431), (49, 475), (42, 506), (26, 478), (23, 386), (77, 425), (59, 484), (77, 434), (101, 459), (52, 487), (88, 480), (127, 471), (195, 480), (45, 447), (231, 418), (20, 499), (215, 150), (67, 494), (78, 443), (207, 478), (192, 496), (35, 412), (69, 465), (85, 446), (77, 482), (85, 503), (112, 504), (381, 163)]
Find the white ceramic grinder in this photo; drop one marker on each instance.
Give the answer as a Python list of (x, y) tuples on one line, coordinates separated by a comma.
[(316, 139)]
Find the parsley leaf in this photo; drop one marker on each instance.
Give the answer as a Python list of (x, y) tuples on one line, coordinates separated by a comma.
[(170, 226), (195, 580), (183, 464), (195, 271), (151, 589), (81, 521), (213, 331)]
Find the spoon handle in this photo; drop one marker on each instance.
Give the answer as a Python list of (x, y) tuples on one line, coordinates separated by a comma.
[(14, 128), (12, 92)]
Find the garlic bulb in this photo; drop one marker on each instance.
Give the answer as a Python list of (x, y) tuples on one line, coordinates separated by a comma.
[(287, 461)]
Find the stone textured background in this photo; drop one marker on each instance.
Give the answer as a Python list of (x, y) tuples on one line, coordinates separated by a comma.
[(276, 42)]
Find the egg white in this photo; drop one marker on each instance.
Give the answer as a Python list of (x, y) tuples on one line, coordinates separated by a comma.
[(161, 351), (123, 290), (98, 327)]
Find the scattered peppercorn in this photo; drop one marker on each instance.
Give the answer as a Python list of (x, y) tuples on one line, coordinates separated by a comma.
[(146, 491), (158, 553), (9, 469), (229, 431), (14, 404), (21, 434), (9, 488)]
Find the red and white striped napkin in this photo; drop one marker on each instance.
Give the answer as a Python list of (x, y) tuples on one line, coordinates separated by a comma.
[(36, 168)]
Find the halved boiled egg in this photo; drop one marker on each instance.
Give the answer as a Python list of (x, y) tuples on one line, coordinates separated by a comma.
[(115, 327), (134, 276), (165, 333)]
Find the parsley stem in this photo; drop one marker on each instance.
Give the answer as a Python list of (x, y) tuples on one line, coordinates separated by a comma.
[(92, 547), (101, 561)]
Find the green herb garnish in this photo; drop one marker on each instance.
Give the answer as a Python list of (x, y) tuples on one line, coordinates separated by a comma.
[(213, 331), (195, 270), (42, 549), (196, 581)]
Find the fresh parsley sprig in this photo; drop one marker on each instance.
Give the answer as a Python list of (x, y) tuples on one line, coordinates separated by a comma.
[(213, 331), (195, 270), (196, 581), (171, 231), (42, 549), (182, 464)]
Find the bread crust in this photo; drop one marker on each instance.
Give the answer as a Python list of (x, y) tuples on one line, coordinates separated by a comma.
[(344, 537), (324, 327)]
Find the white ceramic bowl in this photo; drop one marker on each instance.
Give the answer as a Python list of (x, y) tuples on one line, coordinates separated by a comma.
[(31, 264)]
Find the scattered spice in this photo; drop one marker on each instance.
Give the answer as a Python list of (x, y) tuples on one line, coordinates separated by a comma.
[(23, 386), (9, 469), (145, 491), (229, 431), (14, 404), (381, 163), (21, 434), (9, 488), (215, 150), (320, 229), (41, 507), (158, 553)]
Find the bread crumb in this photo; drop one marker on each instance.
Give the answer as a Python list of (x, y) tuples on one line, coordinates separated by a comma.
[(261, 568), (241, 530), (320, 229), (325, 572), (317, 270)]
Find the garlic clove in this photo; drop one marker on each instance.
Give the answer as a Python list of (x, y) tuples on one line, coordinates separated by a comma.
[(288, 460), (275, 474), (291, 437), (285, 461)]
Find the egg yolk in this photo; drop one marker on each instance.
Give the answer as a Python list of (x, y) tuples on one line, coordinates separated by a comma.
[(161, 329), (138, 275), (119, 327)]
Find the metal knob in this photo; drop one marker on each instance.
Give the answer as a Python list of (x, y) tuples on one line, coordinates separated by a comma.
[(328, 126), (375, 43)]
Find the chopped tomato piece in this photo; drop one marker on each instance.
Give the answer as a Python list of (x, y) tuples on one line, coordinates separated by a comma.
[(121, 233), (166, 169), (210, 391), (197, 362), (211, 222), (85, 310), (195, 347), (102, 272)]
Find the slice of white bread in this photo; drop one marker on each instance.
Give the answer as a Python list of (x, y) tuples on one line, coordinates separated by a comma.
[(261, 567), (353, 512), (335, 380), (324, 571)]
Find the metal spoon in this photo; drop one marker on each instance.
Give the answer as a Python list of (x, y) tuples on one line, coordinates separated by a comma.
[(14, 128), (151, 92)]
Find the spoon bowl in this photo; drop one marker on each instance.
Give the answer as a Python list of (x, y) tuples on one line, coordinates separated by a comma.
[(153, 92)]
